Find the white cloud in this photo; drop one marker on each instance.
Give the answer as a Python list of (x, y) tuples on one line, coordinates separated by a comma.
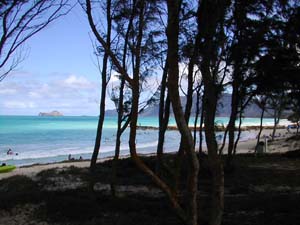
[(19, 105), (8, 91), (34, 94), (74, 81)]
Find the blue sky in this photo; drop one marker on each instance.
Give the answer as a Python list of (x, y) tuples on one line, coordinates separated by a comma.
[(58, 73)]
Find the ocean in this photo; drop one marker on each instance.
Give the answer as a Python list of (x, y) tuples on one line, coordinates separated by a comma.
[(36, 139)]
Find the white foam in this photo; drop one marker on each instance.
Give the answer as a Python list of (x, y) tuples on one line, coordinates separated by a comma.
[(69, 150)]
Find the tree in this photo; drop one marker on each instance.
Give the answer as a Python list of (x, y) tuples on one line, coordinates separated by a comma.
[(294, 117), (244, 50), (260, 31), (104, 80), (164, 114), (210, 27), (174, 8), (89, 8), (277, 102), (261, 102), (189, 49), (215, 49), (20, 20), (277, 70)]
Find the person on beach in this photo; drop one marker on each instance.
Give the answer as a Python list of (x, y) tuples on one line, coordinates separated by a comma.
[(70, 157), (259, 149), (288, 128)]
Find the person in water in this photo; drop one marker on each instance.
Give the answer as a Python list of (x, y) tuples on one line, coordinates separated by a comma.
[(9, 152)]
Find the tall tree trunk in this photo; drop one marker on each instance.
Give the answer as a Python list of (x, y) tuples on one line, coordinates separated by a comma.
[(134, 116), (277, 115), (187, 111), (118, 138), (161, 137), (239, 132), (141, 165), (201, 126), (197, 114), (261, 124), (173, 60), (211, 15), (231, 124), (164, 112), (120, 128), (224, 141), (101, 117), (103, 92), (215, 163)]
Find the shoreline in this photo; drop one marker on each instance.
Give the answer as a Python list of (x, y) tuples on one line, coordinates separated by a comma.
[(247, 146), (218, 128)]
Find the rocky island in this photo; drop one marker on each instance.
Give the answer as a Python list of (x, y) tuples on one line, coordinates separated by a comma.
[(53, 113)]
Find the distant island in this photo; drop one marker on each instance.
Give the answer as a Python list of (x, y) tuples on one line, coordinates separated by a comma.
[(53, 113)]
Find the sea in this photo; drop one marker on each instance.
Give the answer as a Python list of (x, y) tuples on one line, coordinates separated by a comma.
[(40, 140)]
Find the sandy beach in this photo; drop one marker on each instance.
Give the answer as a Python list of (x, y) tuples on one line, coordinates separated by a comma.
[(277, 146)]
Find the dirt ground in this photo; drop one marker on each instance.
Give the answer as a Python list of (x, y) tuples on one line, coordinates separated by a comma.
[(259, 190)]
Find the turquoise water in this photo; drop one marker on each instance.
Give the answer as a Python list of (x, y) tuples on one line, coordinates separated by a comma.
[(51, 139)]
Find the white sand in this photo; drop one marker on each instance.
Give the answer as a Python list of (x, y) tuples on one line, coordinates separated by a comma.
[(277, 146), (243, 147)]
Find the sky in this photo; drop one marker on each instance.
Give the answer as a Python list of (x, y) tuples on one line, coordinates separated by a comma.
[(58, 73)]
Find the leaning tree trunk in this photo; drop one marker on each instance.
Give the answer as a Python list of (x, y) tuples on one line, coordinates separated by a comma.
[(141, 165), (261, 124), (103, 92), (187, 113), (277, 115), (120, 128), (118, 138), (101, 117), (223, 142), (132, 135)]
